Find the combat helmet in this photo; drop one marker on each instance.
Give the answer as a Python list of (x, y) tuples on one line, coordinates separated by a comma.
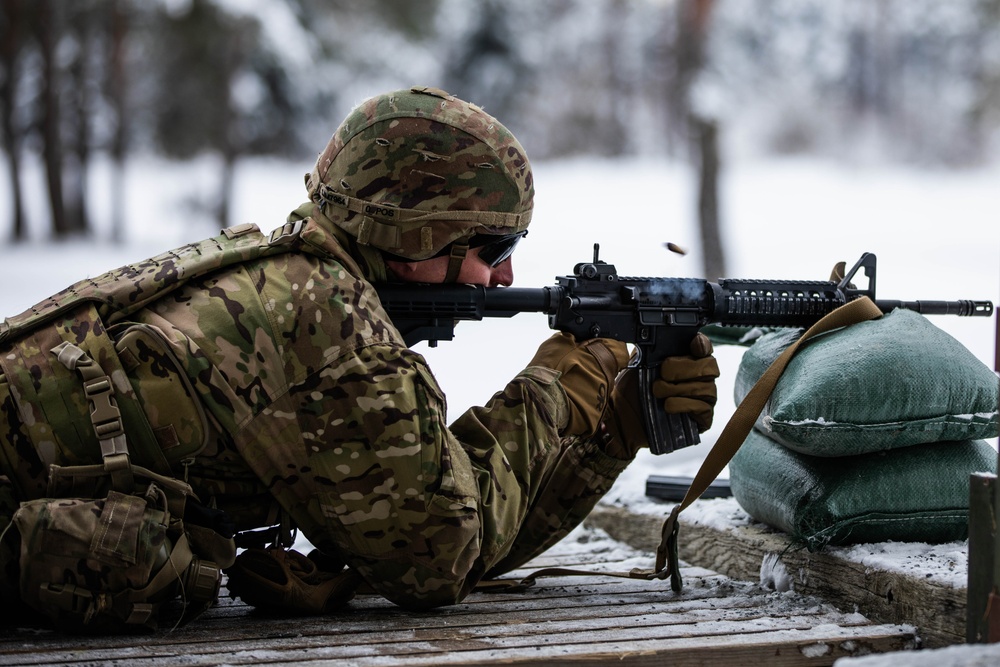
[(419, 173)]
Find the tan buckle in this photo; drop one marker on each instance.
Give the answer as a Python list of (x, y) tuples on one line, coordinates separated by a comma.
[(67, 597), (103, 411), (287, 233)]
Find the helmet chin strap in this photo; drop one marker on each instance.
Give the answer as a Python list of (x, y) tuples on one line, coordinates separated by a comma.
[(459, 249)]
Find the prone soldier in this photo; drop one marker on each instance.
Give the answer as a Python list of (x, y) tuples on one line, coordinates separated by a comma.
[(154, 418)]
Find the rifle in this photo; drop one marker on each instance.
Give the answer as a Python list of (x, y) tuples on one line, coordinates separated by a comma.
[(660, 316)]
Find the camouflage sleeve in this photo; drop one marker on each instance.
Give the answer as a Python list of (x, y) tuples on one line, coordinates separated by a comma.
[(420, 510), (353, 441), (560, 483), (374, 475)]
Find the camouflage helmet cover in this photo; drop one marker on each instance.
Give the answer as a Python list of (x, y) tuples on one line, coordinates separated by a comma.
[(412, 171)]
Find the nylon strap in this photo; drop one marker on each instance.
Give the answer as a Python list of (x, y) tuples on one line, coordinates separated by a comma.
[(104, 414), (394, 214), (739, 426), (455, 260), (729, 441)]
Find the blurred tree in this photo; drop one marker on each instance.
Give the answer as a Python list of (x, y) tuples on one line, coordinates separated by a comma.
[(78, 99), (12, 27), (984, 115), (693, 26), (219, 89), (62, 110), (485, 66), (116, 87), (48, 28)]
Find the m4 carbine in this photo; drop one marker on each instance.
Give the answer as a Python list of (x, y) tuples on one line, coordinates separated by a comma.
[(660, 316)]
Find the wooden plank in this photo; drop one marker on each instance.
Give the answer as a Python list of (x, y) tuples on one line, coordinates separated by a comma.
[(563, 620), (515, 643), (576, 635), (778, 649), (937, 610)]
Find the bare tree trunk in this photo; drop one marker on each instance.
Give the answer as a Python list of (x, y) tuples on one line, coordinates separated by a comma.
[(117, 87), (231, 143), (702, 133), (75, 169), (707, 136), (51, 140), (12, 25)]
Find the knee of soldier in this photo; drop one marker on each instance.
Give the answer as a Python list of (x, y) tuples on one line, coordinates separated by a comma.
[(425, 573), (425, 590)]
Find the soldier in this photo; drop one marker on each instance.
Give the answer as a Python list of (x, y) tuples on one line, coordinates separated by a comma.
[(260, 380)]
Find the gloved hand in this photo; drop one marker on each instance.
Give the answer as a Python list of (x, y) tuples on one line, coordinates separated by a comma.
[(687, 383), (285, 581), (588, 372)]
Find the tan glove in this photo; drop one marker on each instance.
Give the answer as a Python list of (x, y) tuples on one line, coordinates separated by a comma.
[(285, 581), (588, 372), (624, 430), (687, 383)]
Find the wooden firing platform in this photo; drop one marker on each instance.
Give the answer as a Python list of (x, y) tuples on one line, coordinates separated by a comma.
[(937, 611), (567, 621)]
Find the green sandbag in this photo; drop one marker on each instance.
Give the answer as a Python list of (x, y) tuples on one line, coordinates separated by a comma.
[(917, 494), (882, 384)]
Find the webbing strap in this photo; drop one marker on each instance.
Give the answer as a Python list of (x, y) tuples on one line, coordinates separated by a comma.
[(171, 571), (729, 441), (104, 414), (455, 260), (394, 214), (739, 425)]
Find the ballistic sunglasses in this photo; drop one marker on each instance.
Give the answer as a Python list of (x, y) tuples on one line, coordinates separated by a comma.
[(496, 249)]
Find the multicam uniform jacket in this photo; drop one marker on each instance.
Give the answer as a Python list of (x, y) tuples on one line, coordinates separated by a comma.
[(305, 396)]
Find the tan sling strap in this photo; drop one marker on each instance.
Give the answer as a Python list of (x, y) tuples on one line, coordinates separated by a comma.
[(729, 441), (739, 425)]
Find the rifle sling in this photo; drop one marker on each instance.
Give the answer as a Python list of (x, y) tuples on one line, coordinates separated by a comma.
[(729, 441)]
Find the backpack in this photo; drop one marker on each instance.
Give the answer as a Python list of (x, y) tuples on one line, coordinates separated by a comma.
[(111, 542)]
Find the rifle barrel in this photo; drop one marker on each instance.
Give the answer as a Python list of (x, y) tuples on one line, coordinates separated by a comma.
[(964, 307)]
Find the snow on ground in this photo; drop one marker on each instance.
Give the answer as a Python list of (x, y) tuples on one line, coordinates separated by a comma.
[(965, 655), (935, 234), (943, 564)]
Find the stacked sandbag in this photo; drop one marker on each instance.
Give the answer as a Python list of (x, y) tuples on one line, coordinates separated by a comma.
[(870, 434)]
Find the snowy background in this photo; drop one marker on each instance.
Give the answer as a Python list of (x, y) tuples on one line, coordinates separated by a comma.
[(936, 234), (845, 128)]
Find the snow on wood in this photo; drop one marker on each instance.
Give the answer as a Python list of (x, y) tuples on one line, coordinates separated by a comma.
[(566, 620), (917, 583)]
